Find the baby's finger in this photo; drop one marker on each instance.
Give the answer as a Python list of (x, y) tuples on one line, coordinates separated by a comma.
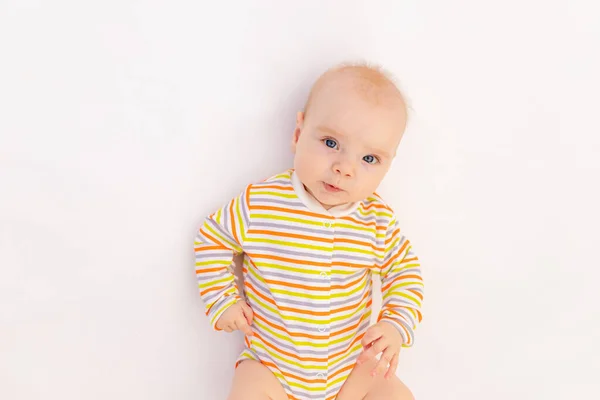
[(248, 313), (372, 351), (384, 362), (373, 333), (227, 328), (243, 326), (393, 367)]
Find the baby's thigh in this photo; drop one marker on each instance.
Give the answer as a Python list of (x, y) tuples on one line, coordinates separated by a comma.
[(360, 385), (254, 381)]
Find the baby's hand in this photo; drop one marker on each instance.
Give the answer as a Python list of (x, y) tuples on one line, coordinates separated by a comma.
[(237, 317), (382, 337)]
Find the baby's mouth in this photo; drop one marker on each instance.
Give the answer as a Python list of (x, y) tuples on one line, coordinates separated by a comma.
[(331, 188)]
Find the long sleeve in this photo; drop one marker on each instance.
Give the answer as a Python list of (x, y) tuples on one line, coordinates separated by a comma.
[(220, 237), (401, 284)]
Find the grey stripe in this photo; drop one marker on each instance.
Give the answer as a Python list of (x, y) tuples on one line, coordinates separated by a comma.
[(394, 250), (209, 298), (213, 276), (291, 349), (366, 258), (284, 182), (269, 249), (243, 206), (315, 231), (225, 215), (352, 234), (363, 327), (222, 231), (270, 200), (347, 322), (293, 276), (347, 300), (286, 301), (399, 301)]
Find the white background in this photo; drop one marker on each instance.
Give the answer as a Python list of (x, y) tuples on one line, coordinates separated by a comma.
[(124, 123)]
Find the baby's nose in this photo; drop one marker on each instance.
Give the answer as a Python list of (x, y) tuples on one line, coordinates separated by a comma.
[(344, 168)]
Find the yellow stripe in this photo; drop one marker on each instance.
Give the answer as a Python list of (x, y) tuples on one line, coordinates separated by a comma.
[(389, 293), (240, 221), (357, 347), (213, 263), (286, 318), (288, 338), (232, 245), (362, 306), (216, 282), (276, 194), (288, 219)]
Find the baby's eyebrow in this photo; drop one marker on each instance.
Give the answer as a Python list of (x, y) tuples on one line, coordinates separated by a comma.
[(382, 153), (331, 131)]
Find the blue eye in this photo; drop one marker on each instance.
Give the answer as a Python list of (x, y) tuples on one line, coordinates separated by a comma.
[(330, 143), (370, 159)]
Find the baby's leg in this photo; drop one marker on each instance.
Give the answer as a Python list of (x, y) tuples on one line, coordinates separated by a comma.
[(360, 385), (254, 381)]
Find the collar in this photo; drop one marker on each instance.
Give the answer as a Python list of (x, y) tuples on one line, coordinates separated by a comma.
[(312, 204)]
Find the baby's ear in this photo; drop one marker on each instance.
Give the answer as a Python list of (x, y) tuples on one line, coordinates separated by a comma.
[(297, 130)]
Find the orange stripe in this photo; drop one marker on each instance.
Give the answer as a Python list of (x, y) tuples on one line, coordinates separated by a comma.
[(231, 217), (247, 195), (214, 247), (346, 368), (378, 206), (352, 327), (212, 289), (207, 270), (294, 334), (395, 256), (416, 293), (281, 351), (352, 265), (393, 237), (351, 306), (213, 239), (348, 218), (287, 188)]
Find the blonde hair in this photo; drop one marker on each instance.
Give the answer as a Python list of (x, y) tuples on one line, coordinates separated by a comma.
[(373, 76)]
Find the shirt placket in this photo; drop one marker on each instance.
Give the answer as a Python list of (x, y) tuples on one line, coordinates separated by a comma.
[(324, 326)]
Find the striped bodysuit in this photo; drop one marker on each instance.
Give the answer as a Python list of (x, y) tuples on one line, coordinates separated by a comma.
[(307, 277)]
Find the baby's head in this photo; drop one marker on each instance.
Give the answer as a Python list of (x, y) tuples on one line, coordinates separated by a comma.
[(347, 136)]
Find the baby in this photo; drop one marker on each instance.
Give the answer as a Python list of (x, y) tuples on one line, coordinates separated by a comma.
[(312, 238)]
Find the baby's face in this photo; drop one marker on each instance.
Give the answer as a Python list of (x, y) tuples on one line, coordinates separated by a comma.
[(345, 145)]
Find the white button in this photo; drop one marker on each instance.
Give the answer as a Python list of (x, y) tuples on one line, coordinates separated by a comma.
[(322, 329), (320, 375), (323, 275)]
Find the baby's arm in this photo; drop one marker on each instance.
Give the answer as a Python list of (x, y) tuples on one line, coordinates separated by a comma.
[(401, 284), (220, 237)]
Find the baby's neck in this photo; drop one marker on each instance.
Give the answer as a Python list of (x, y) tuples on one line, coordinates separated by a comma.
[(325, 206)]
